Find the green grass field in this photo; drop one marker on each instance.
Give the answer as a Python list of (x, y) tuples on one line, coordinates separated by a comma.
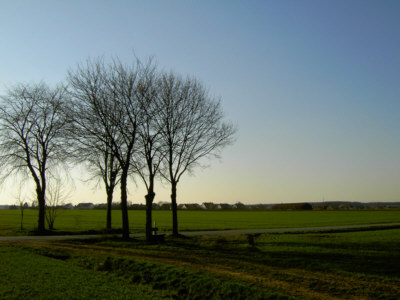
[(85, 220), (350, 265), (26, 275), (325, 265)]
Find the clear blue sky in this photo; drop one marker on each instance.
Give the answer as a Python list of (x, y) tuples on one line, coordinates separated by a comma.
[(312, 85)]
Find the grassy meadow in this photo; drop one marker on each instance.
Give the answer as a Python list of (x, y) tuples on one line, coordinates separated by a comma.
[(349, 265), (76, 221), (324, 265)]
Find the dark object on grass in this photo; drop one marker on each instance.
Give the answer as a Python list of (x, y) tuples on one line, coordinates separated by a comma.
[(158, 238), (251, 239), (154, 229)]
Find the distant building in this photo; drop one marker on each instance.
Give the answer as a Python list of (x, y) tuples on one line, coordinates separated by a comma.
[(190, 206), (194, 206), (88, 205), (182, 206), (225, 206), (68, 206), (208, 205), (164, 205), (202, 206)]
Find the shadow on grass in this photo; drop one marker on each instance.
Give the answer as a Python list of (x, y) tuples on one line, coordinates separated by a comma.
[(369, 258), (83, 232), (378, 258)]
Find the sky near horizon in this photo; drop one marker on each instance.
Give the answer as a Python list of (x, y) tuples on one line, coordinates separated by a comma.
[(313, 87)]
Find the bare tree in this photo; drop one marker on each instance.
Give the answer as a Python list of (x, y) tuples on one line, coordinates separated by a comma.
[(20, 197), (58, 191), (32, 126), (192, 128), (150, 151), (108, 113), (104, 166), (91, 129)]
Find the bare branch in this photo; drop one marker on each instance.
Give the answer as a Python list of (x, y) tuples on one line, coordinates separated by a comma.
[(32, 124), (192, 129)]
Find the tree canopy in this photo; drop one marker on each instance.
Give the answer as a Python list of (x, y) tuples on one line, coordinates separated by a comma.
[(120, 121)]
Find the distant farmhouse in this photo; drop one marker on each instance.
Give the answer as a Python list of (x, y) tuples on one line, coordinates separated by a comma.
[(68, 206), (87, 205)]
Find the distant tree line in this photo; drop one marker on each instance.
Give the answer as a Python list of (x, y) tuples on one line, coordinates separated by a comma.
[(293, 206), (210, 206), (120, 121)]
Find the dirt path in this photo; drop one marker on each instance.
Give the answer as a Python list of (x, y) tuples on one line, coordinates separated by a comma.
[(214, 232)]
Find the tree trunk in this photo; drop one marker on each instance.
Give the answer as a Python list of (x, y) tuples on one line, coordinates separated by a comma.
[(42, 207), (174, 209), (149, 205), (124, 205), (51, 216), (110, 192), (22, 215)]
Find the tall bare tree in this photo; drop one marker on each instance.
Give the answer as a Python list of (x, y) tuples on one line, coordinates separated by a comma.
[(150, 151), (107, 114), (193, 128), (104, 166), (32, 123), (91, 130)]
